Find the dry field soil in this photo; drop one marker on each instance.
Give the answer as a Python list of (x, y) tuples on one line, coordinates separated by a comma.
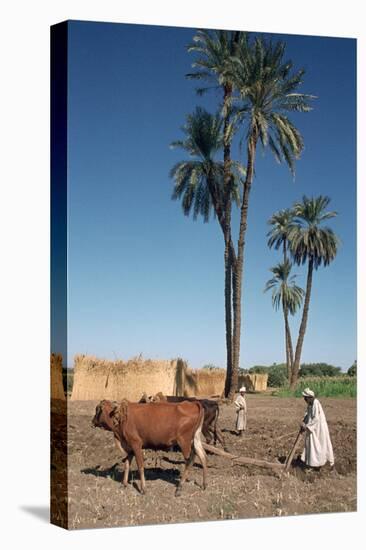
[(96, 497)]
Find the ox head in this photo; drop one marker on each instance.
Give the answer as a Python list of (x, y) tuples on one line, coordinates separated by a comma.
[(102, 417), (144, 398), (157, 398), (109, 414)]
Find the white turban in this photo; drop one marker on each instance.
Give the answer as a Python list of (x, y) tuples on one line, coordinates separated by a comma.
[(308, 393), (243, 388)]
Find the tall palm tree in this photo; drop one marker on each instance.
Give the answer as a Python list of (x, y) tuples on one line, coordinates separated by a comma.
[(315, 245), (281, 223), (268, 89), (214, 50), (199, 180), (287, 294)]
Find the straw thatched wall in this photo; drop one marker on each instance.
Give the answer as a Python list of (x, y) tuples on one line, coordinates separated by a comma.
[(96, 379), (254, 382), (57, 388), (204, 382)]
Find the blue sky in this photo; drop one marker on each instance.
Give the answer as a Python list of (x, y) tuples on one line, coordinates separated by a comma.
[(145, 279)]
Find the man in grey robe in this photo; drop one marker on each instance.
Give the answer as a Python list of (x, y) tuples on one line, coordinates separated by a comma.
[(241, 411), (318, 446)]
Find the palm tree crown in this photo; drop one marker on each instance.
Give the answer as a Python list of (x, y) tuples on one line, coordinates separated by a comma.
[(214, 49), (281, 222), (199, 180), (308, 240), (284, 290), (268, 90)]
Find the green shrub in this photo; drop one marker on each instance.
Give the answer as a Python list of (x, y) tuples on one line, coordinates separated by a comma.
[(319, 369), (258, 369), (210, 366), (277, 376), (352, 371), (322, 386)]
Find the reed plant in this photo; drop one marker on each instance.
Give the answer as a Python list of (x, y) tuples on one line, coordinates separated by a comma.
[(323, 386)]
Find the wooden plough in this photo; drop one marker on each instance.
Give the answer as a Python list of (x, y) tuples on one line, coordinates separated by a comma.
[(237, 459)]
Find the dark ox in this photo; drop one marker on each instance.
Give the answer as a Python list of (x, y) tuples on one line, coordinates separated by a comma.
[(210, 429), (157, 426)]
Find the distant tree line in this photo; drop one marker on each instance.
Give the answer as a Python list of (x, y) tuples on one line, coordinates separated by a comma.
[(352, 371), (277, 373), (210, 366)]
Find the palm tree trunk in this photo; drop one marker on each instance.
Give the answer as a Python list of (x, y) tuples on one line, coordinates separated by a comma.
[(288, 366), (227, 237), (238, 266), (300, 339), (228, 317), (289, 349), (287, 328), (229, 260)]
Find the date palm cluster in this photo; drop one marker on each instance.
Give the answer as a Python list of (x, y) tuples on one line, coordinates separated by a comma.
[(300, 234), (259, 89)]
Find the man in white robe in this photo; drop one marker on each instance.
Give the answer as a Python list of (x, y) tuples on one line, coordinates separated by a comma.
[(241, 411), (318, 447)]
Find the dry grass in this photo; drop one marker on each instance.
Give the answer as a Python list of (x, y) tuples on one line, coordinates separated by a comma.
[(96, 379)]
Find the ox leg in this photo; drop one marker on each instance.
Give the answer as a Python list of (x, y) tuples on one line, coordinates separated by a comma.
[(126, 459), (120, 448), (188, 464), (126, 470), (200, 452), (140, 464)]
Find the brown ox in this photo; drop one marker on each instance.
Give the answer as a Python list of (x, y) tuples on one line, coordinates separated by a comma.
[(210, 429), (157, 426)]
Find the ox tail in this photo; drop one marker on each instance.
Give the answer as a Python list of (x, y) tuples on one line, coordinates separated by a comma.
[(197, 444)]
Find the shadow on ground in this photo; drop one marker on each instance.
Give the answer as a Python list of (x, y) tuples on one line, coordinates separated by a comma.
[(171, 475), (40, 512)]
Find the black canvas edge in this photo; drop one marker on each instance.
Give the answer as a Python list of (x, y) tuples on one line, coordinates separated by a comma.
[(59, 239)]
